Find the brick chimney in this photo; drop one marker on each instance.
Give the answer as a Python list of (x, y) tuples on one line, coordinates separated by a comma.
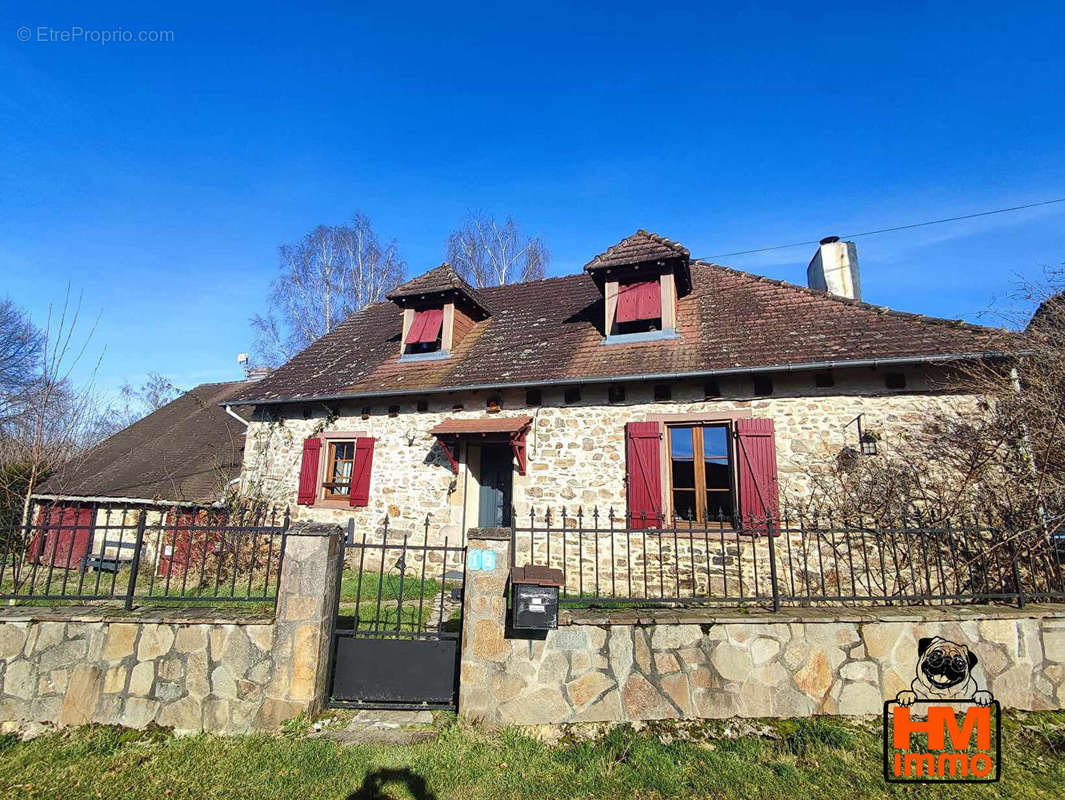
[(834, 269)]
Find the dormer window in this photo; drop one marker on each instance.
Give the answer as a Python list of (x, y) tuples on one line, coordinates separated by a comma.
[(439, 310), (425, 332), (639, 307), (642, 278)]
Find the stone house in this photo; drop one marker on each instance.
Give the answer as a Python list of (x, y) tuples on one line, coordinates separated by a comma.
[(650, 384), (175, 464)]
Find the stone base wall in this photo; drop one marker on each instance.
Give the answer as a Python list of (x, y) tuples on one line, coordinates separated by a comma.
[(627, 665), (179, 668), (192, 677), (759, 668)]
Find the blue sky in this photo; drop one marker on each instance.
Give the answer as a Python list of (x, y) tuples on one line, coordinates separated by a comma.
[(159, 179)]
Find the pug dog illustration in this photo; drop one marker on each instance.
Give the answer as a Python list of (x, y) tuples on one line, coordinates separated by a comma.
[(944, 672)]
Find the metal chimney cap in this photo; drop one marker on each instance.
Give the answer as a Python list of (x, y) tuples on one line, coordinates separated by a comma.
[(829, 240)]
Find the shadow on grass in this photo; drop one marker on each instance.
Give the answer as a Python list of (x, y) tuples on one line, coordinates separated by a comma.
[(373, 785)]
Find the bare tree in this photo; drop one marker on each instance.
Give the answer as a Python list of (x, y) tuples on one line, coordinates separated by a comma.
[(57, 420), (487, 253), (137, 402), (328, 275), (20, 353), (997, 450)]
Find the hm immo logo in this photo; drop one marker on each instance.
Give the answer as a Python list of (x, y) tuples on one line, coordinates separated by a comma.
[(945, 728)]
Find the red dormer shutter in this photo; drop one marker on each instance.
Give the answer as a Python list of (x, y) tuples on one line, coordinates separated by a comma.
[(308, 489), (758, 470), (360, 472), (426, 326), (644, 478), (639, 300)]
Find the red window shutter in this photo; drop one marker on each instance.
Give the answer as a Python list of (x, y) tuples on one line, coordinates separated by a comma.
[(644, 479), (360, 471), (639, 300), (308, 490), (426, 326), (757, 454)]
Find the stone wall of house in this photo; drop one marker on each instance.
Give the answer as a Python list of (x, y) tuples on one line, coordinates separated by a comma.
[(187, 668), (576, 451), (627, 665)]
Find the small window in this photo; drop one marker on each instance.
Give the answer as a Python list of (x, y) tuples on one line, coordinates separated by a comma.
[(823, 380), (711, 390), (425, 332), (572, 395), (895, 380), (616, 393), (366, 412), (423, 405), (700, 473), (639, 307), (533, 397), (493, 404), (457, 407), (337, 482), (763, 385), (393, 411), (663, 391)]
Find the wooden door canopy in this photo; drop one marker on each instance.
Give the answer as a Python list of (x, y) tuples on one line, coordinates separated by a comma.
[(507, 430)]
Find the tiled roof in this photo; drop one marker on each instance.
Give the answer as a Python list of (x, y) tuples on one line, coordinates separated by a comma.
[(551, 330), (641, 246), (1050, 316), (185, 451), (439, 279)]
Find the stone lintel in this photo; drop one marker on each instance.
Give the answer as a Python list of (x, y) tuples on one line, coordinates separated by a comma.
[(491, 534)]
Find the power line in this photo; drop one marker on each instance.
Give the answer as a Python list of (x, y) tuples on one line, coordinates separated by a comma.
[(887, 230)]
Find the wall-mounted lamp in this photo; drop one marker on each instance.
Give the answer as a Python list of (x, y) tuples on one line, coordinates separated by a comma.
[(410, 436), (866, 440)]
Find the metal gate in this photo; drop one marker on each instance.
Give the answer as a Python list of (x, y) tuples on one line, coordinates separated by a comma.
[(399, 623)]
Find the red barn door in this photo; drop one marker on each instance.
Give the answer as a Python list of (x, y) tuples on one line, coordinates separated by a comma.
[(63, 536)]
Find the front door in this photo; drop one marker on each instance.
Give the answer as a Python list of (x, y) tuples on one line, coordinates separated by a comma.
[(497, 469)]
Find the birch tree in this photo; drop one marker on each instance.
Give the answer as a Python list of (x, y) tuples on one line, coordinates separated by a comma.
[(325, 277), (488, 253)]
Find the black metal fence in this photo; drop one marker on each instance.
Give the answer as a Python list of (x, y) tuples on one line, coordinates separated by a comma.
[(394, 587), (780, 561), (81, 552)]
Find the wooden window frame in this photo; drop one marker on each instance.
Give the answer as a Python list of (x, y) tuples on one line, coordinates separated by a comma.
[(329, 486), (699, 457), (322, 498)]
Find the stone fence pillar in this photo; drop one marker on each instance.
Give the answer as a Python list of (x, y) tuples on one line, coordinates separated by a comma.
[(484, 622), (304, 624)]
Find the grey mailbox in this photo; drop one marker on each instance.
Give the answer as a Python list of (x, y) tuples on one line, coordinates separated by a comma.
[(534, 594)]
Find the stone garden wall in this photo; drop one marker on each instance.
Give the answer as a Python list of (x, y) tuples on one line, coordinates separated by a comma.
[(628, 665), (188, 669)]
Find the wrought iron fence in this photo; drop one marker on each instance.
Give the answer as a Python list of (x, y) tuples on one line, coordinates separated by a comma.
[(81, 552), (781, 561), (392, 587)]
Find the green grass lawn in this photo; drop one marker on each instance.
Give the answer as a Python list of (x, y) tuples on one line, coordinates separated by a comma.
[(417, 595), (815, 758), (149, 588)]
